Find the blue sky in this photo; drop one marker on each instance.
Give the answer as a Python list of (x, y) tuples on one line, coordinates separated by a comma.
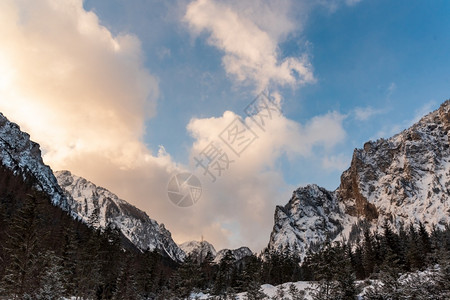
[(390, 57), (128, 93)]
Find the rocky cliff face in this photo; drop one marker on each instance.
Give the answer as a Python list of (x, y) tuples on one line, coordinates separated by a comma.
[(312, 215), (82, 199), (199, 250), (100, 208), (403, 179), (238, 254), (23, 156)]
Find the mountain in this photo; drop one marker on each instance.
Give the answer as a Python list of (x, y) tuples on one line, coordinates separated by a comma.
[(198, 250), (404, 179), (82, 199), (100, 208), (237, 254), (23, 157), (304, 223)]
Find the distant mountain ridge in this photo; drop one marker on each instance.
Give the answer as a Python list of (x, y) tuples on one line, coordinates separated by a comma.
[(199, 251), (82, 199), (237, 254), (404, 179), (100, 208)]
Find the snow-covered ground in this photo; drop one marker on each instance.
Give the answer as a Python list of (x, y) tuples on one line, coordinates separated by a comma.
[(268, 289)]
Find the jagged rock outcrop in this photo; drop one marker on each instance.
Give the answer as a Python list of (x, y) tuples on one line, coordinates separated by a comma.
[(199, 250), (100, 208), (404, 179), (238, 254), (23, 156), (312, 215), (80, 198)]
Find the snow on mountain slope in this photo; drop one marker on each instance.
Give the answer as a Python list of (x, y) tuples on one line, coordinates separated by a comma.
[(312, 214), (198, 250), (23, 156), (237, 254), (82, 199), (403, 179), (100, 208)]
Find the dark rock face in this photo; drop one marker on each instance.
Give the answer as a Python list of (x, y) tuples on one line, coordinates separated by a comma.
[(349, 191), (403, 179)]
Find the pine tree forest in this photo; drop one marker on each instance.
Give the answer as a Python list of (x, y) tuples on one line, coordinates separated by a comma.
[(46, 254)]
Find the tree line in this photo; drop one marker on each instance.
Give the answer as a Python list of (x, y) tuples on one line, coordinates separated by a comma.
[(46, 254)]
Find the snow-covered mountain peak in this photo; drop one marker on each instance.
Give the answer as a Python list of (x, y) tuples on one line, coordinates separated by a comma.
[(100, 208), (312, 215), (23, 156), (84, 200), (237, 254), (403, 179), (199, 250)]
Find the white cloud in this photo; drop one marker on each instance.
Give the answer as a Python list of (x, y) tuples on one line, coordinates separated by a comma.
[(334, 5), (84, 95), (352, 2), (338, 162), (365, 113), (391, 89), (249, 36), (246, 194), (71, 84)]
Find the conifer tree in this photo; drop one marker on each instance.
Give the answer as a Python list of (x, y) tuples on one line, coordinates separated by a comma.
[(223, 277), (390, 287), (425, 243), (369, 257), (148, 273), (88, 277), (255, 292), (22, 248), (442, 278), (251, 272), (70, 256), (345, 278), (52, 285), (109, 255), (206, 271), (324, 265), (126, 282), (189, 276)]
